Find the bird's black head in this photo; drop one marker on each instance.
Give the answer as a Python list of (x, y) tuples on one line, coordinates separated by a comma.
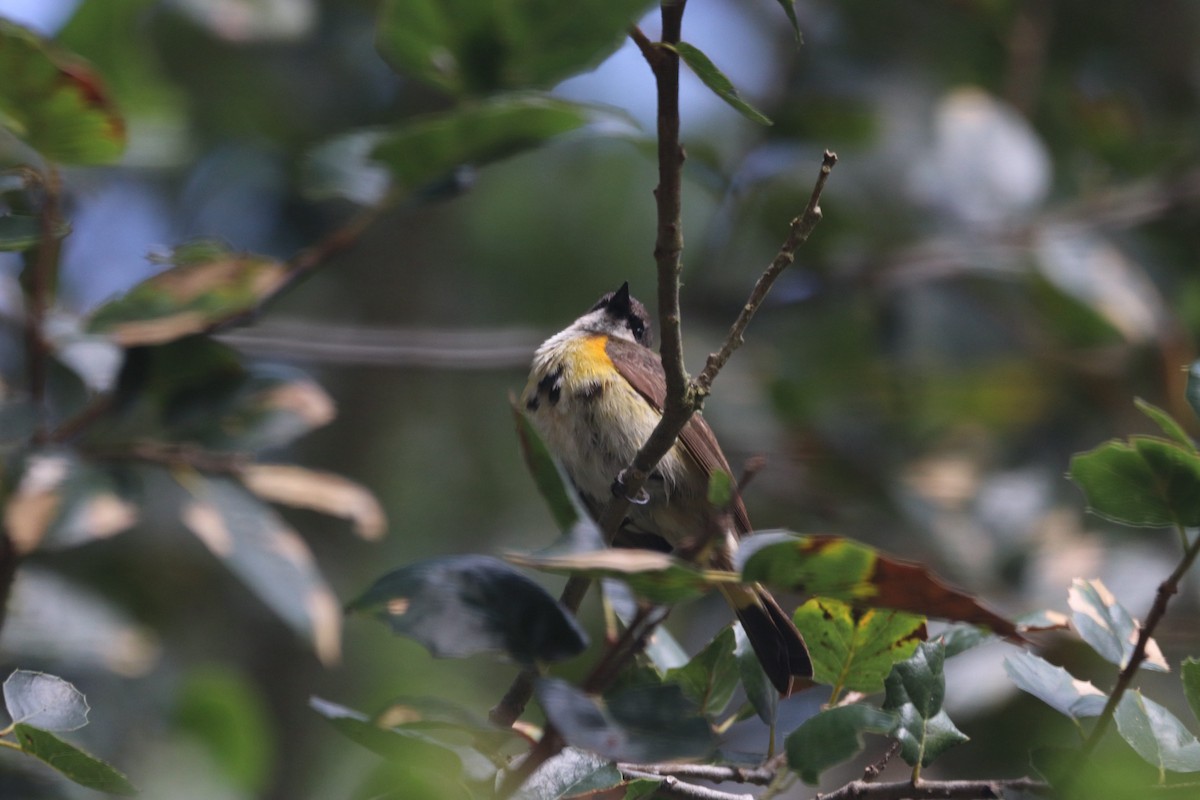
[(626, 314)]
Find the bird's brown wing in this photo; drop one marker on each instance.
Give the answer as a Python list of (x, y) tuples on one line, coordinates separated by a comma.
[(642, 367)]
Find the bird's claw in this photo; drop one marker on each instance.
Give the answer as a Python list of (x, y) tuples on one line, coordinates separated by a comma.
[(618, 489)]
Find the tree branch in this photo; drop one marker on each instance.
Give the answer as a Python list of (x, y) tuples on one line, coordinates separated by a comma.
[(38, 280), (673, 787), (936, 790), (713, 773)]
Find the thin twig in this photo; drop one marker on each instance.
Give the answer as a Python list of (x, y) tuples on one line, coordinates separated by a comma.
[(39, 279), (875, 769), (936, 790), (671, 786), (1166, 589), (713, 773)]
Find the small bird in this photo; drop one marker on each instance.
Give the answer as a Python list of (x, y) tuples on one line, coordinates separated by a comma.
[(595, 393)]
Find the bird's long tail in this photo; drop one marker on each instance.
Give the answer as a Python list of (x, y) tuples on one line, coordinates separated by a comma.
[(779, 646)]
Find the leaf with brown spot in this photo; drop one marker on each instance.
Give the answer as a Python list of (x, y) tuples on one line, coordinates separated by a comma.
[(855, 650), (204, 287), (268, 556), (1111, 630), (56, 102), (319, 491), (833, 566)]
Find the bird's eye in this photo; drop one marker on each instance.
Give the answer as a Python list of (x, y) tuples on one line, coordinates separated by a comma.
[(637, 327)]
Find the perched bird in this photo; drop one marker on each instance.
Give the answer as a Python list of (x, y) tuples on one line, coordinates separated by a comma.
[(595, 393)]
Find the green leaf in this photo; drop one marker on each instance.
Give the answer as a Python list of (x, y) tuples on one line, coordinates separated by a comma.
[(81, 767), (44, 701), (570, 773), (267, 555), (460, 605), (789, 8), (427, 149), (854, 649), (833, 736), (762, 694), (1054, 686), (22, 232), (709, 679), (915, 691), (1146, 482), (1107, 626), (478, 47), (720, 489), (714, 79), (1165, 421), (658, 577), (409, 747), (961, 638), (55, 102), (832, 566), (205, 286), (550, 480), (643, 724), (1192, 392), (1189, 673), (224, 710), (1156, 734)]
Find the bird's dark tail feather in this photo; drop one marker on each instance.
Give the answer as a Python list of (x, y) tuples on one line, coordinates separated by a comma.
[(779, 646)]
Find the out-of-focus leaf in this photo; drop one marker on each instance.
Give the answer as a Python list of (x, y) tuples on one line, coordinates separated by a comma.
[(434, 715), (21, 232), (832, 736), (569, 774), (1165, 421), (55, 102), (714, 79), (319, 491), (708, 680), (268, 556), (658, 577), (789, 8), (342, 167), (223, 710), (61, 502), (426, 149), (204, 287), (1042, 621), (831, 566), (83, 768), (915, 691), (483, 46), (1189, 673), (1146, 482), (410, 747), (854, 649), (550, 481), (1054, 686), (460, 605), (1156, 734), (643, 724), (44, 701), (1107, 626), (1193, 387), (762, 694), (662, 649), (720, 489), (961, 638)]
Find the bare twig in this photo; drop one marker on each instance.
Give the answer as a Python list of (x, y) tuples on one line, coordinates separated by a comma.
[(1166, 590), (875, 769), (39, 277), (713, 773), (673, 787), (936, 790)]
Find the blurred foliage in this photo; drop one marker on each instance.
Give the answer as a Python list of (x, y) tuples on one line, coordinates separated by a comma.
[(1006, 259)]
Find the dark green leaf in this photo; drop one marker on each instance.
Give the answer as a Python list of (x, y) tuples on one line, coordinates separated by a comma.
[(222, 709), (270, 558), (662, 649), (1165, 421), (44, 701), (714, 79), (832, 566), (572, 772), (643, 724), (658, 577), (1193, 387), (81, 767), (915, 691), (19, 232), (1146, 482), (406, 746), (961, 638), (480, 47), (55, 102), (1054, 686), (1189, 673), (551, 483), (708, 680), (761, 693), (1156, 734), (789, 8), (1107, 626), (460, 605), (204, 287), (854, 649), (832, 736), (427, 149)]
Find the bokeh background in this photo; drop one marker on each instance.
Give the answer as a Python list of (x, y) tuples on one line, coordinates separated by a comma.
[(1008, 257)]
